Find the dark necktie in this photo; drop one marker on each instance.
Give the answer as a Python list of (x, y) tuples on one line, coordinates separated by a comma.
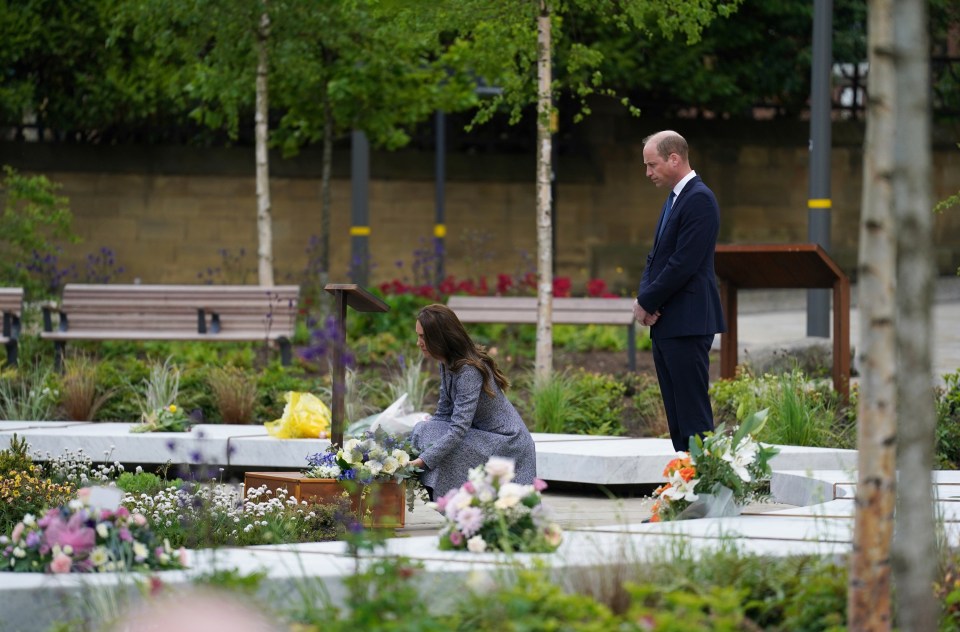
[(665, 214)]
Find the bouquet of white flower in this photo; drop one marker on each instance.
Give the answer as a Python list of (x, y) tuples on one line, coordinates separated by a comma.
[(376, 456)]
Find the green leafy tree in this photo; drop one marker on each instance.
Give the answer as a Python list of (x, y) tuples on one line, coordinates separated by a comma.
[(526, 49), (70, 74), (323, 67), (370, 65), (216, 56), (34, 218)]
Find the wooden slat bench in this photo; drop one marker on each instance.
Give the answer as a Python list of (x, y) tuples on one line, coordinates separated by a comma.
[(11, 306), (566, 311), (207, 313)]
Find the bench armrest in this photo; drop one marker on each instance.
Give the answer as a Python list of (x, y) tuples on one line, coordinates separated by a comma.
[(11, 326), (202, 322), (48, 309)]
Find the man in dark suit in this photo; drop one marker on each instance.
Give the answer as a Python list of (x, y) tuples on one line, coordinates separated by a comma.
[(678, 296)]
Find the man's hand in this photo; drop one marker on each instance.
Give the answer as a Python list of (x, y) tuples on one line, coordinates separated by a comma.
[(644, 317)]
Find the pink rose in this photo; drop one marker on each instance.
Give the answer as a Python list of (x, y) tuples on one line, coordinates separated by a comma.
[(539, 484), (61, 563), (17, 532), (139, 519), (456, 538), (469, 488)]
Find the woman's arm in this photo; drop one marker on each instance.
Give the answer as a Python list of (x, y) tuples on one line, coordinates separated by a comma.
[(444, 404), (467, 387)]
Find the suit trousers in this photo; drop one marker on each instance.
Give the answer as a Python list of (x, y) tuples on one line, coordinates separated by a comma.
[(683, 370)]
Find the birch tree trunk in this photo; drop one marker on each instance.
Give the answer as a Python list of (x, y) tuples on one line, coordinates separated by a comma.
[(264, 222), (915, 551), (544, 353), (869, 600)]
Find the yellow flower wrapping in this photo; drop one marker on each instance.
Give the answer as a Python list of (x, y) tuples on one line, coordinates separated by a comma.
[(304, 417)]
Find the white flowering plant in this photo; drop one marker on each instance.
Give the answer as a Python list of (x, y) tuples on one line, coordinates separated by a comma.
[(80, 538), (492, 513), (721, 459)]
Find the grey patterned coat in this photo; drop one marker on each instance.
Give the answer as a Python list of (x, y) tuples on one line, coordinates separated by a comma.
[(468, 428)]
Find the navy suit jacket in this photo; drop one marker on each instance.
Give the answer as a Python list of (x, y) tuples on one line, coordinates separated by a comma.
[(679, 279)]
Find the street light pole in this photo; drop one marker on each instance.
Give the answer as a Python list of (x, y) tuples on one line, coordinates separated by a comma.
[(819, 202)]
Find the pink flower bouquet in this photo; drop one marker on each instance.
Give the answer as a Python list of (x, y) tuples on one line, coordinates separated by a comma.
[(492, 513), (79, 538)]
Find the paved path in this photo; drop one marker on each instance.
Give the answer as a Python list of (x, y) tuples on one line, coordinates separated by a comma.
[(572, 511), (770, 317)]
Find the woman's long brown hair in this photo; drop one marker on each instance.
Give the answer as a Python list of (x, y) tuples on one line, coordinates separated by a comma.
[(447, 340)]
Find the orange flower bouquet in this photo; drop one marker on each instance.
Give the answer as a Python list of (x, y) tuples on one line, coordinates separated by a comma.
[(723, 471)]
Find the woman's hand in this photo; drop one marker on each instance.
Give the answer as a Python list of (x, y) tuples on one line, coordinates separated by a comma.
[(418, 462)]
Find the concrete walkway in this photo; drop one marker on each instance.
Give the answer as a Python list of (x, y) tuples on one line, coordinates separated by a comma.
[(779, 317)]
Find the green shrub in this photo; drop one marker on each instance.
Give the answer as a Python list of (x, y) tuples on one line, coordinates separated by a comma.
[(117, 373), (81, 396), (713, 608), (948, 422), (590, 337), (647, 416), (16, 456), (531, 602), (144, 483), (28, 393), (599, 403), (579, 403), (550, 407), (817, 600), (802, 411), (33, 219), (234, 394)]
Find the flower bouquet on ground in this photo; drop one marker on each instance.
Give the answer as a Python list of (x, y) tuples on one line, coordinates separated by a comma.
[(492, 513), (723, 471), (375, 457), (170, 418), (80, 538)]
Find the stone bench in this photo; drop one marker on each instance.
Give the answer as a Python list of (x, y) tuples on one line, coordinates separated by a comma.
[(11, 306), (201, 313), (566, 311), (567, 458)]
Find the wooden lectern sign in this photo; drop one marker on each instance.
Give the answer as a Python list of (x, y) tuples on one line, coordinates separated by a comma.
[(345, 295), (783, 266)]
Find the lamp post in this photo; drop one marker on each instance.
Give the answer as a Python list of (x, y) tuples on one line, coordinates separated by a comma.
[(819, 202)]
